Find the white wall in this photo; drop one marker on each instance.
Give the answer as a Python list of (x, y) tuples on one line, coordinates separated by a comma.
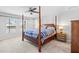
[(65, 19), (49, 12)]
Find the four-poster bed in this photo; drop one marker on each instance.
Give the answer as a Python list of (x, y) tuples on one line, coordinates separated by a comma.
[(41, 37)]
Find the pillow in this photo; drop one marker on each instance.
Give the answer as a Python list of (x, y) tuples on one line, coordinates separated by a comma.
[(51, 28)]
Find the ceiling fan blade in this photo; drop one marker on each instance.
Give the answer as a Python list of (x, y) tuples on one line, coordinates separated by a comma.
[(31, 8), (34, 8), (35, 11)]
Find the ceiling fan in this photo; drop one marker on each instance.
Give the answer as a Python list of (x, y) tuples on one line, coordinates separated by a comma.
[(32, 10)]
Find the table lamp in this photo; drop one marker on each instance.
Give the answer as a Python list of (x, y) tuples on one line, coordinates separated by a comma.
[(61, 28)]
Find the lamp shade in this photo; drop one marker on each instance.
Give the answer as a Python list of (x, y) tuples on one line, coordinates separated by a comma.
[(61, 27)]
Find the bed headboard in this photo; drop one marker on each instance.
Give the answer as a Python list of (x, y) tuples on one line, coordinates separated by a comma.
[(50, 25)]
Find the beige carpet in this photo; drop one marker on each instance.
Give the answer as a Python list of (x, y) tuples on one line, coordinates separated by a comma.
[(15, 45)]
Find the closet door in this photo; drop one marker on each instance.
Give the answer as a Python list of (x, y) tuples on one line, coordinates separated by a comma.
[(3, 29), (75, 36)]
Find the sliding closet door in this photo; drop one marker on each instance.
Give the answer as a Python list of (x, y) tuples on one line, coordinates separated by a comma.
[(3, 28), (10, 27)]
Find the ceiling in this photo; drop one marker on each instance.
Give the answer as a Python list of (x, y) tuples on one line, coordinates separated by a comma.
[(46, 10), (13, 9)]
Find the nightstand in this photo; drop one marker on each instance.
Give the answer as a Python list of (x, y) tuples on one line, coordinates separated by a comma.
[(61, 37)]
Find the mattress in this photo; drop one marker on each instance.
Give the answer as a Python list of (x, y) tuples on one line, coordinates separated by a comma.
[(44, 33)]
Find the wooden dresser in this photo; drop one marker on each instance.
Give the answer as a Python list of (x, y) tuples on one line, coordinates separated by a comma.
[(75, 36)]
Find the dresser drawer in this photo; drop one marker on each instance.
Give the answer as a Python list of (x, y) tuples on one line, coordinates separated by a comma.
[(61, 37)]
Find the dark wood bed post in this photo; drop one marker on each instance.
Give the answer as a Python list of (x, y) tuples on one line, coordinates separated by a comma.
[(22, 28), (56, 22), (39, 37), (56, 25)]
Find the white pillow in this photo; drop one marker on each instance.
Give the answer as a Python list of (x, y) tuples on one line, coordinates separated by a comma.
[(51, 28)]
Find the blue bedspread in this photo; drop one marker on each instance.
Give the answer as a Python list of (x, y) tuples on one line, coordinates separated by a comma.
[(34, 33)]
